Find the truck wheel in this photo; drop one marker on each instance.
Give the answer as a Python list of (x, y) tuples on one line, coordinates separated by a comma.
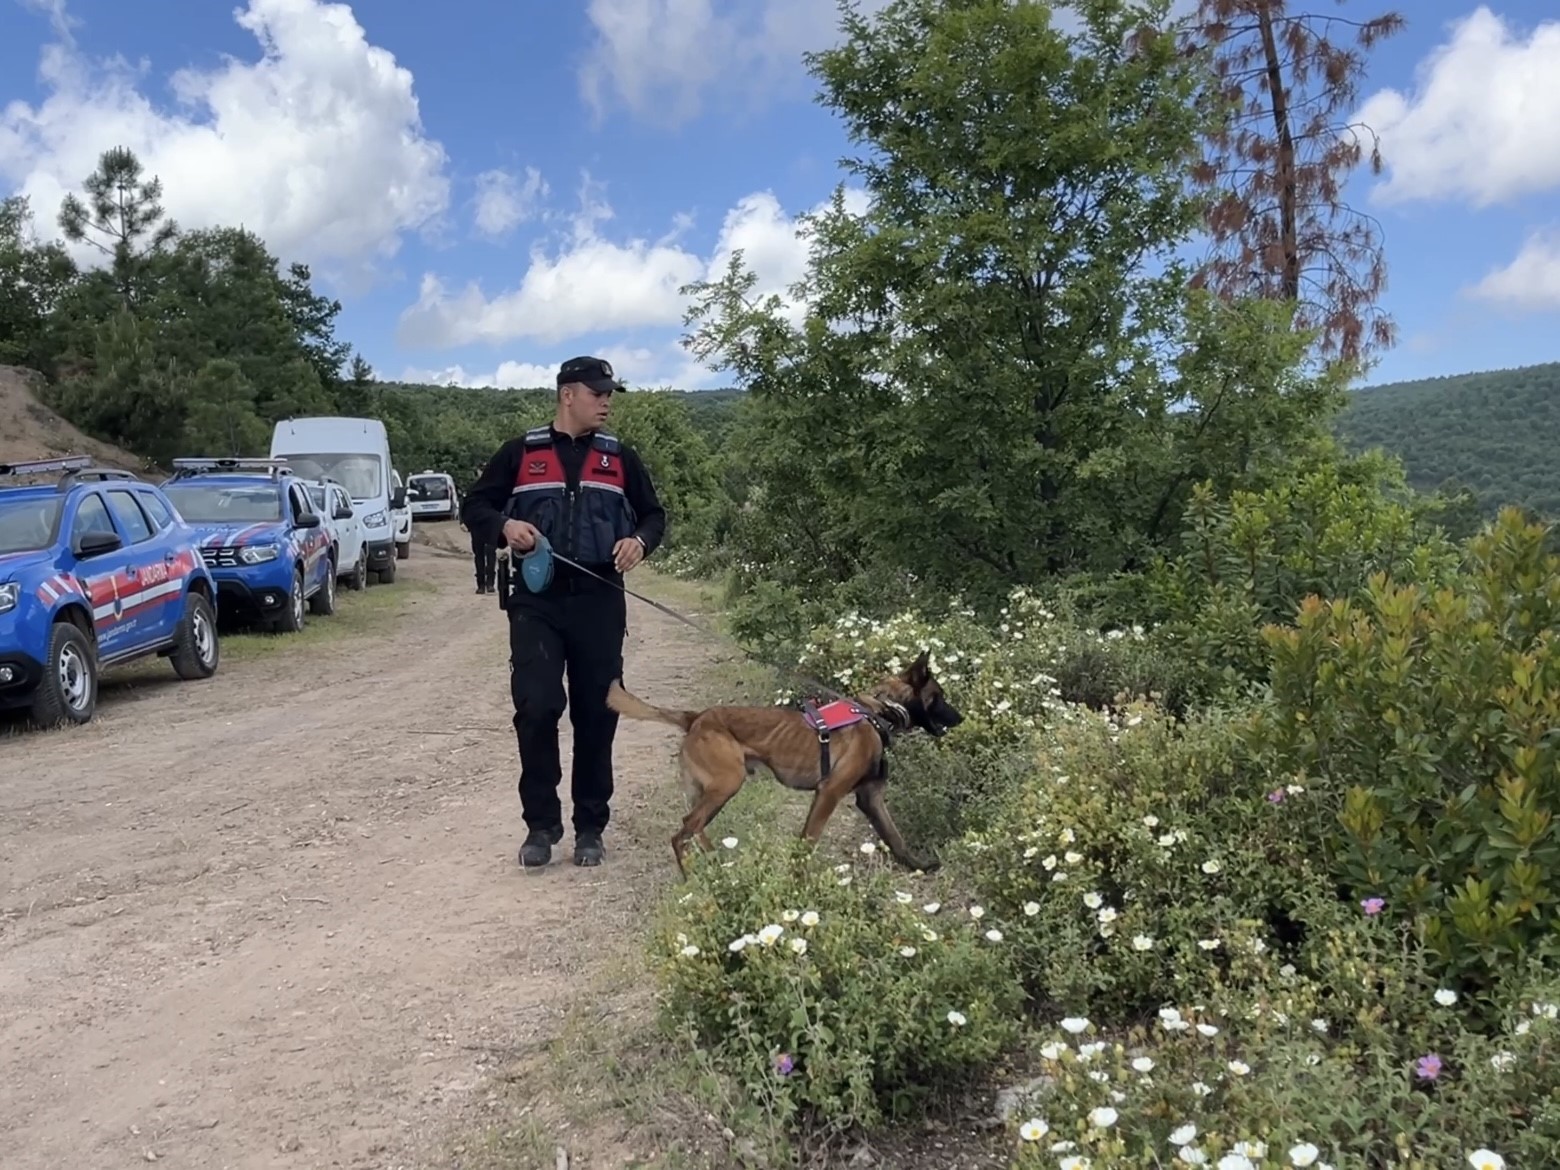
[(195, 648), (387, 574), (357, 580), (403, 551), (291, 620), (68, 691), (323, 602)]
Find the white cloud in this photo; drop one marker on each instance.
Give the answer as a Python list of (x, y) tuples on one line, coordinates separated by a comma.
[(317, 145), (503, 202), (1531, 281), (594, 284), (640, 367), (1483, 122), (659, 57)]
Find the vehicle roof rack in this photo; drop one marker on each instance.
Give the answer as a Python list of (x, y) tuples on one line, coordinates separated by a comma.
[(193, 465), (40, 466), (75, 467)]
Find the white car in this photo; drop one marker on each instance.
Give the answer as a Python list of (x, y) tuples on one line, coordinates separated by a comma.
[(332, 502), (401, 519), (355, 452), (433, 496)]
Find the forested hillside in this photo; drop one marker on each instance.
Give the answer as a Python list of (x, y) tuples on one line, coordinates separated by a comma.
[(1494, 432)]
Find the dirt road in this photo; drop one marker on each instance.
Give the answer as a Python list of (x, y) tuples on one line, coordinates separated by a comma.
[(275, 919)]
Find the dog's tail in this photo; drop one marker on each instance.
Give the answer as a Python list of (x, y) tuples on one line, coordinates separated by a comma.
[(632, 707)]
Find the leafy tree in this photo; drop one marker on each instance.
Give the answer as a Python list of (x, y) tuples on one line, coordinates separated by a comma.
[(222, 418), (122, 217), (34, 277), (1278, 160), (314, 322), (128, 394), (357, 394), (976, 396)]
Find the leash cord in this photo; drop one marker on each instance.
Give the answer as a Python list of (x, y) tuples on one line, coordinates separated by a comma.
[(703, 629)]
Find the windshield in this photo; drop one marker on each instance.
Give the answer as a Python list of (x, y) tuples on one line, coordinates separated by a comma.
[(210, 503), (359, 474), (27, 524), (428, 489)]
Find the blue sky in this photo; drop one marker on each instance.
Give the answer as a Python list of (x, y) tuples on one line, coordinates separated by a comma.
[(491, 188)]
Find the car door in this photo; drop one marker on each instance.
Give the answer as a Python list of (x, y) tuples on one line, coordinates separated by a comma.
[(351, 528), (150, 611), (178, 555), (312, 543), (103, 573)]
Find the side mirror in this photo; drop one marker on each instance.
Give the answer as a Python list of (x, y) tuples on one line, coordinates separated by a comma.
[(308, 520), (398, 499), (342, 513), (95, 544)]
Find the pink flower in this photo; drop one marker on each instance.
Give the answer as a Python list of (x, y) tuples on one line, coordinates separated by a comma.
[(1372, 906), (784, 1064), (1428, 1067), (1276, 796)]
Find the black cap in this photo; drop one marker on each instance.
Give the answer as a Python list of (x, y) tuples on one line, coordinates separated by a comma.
[(592, 371)]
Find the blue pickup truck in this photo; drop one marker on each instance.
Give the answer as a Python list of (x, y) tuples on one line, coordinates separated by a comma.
[(96, 569), (269, 550)]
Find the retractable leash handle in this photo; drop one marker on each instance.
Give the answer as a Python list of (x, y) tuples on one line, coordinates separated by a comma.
[(536, 567)]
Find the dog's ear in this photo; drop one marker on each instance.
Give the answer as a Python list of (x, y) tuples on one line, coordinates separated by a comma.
[(920, 670)]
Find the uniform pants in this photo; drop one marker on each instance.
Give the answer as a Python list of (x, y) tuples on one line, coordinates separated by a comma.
[(486, 558), (573, 632)]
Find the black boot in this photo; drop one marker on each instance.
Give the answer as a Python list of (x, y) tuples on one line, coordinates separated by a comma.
[(536, 850), (588, 849)]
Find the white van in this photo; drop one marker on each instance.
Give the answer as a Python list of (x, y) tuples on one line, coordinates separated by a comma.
[(355, 452), (433, 496)]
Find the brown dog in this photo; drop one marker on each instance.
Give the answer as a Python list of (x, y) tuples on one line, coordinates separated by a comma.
[(724, 745)]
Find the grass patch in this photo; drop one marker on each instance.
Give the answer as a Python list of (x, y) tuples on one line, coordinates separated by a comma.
[(357, 615)]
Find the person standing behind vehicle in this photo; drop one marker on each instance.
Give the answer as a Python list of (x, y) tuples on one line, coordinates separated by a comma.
[(591, 497), (484, 552)]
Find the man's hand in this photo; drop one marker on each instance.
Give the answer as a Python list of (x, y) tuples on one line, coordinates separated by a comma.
[(519, 535), (627, 553)]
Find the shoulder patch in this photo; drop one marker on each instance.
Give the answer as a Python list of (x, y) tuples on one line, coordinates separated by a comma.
[(603, 441), (538, 437)]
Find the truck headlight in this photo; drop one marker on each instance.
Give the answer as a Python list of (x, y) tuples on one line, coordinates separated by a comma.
[(10, 594), (376, 520), (258, 554)]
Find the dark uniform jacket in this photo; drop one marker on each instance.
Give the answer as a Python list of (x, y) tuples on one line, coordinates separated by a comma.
[(583, 494)]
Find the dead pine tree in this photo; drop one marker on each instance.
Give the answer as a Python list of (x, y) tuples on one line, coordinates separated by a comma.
[(1276, 165)]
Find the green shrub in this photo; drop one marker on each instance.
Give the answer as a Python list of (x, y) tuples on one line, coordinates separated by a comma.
[(1141, 862), (1253, 558), (1358, 1060), (834, 994), (1428, 723)]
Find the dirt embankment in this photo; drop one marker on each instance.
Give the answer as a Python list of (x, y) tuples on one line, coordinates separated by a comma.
[(30, 430)]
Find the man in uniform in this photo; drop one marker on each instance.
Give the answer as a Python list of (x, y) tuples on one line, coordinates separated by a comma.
[(483, 553), (592, 498)]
